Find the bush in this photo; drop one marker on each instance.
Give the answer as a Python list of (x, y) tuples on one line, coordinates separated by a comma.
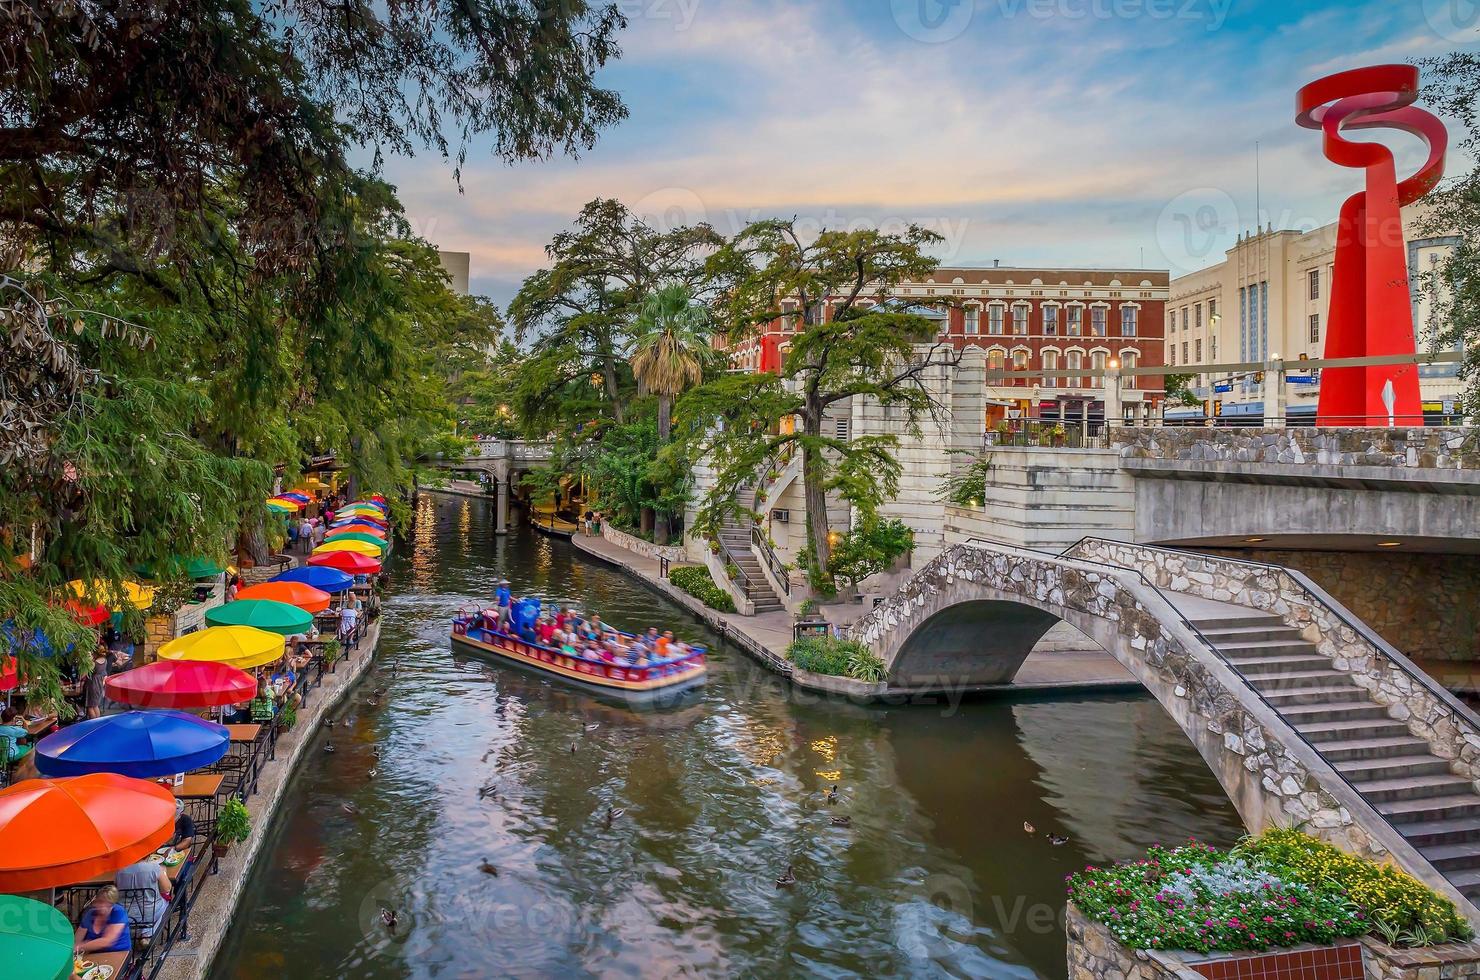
[(1280, 889), (697, 582), (836, 657), (1402, 909), (233, 823)]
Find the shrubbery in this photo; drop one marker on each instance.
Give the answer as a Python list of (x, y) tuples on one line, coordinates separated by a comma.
[(697, 582), (1279, 889), (837, 657)]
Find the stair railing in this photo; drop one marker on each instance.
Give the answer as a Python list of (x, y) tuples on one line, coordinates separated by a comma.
[(768, 555), (738, 576)]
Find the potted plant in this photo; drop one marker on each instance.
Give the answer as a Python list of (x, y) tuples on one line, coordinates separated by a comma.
[(332, 649), (289, 717), (233, 825)]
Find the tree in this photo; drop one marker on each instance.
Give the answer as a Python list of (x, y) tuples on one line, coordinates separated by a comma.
[(869, 547), (669, 354), (1452, 211), (854, 342), (582, 310), (1179, 390)]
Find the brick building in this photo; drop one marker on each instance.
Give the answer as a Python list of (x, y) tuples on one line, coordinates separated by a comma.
[(1043, 320)]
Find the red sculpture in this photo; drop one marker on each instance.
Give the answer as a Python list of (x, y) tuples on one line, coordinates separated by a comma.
[(1371, 309)]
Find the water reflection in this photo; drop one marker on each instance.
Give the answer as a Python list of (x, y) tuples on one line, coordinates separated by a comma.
[(933, 875)]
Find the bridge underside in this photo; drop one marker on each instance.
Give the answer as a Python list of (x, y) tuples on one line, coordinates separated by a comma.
[(973, 643)]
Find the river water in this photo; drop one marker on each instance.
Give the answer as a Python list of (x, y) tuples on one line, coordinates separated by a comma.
[(936, 874)]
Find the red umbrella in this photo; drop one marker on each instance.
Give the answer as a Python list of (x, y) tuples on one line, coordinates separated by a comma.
[(347, 561), (88, 615), (181, 684), (9, 678), (62, 831)]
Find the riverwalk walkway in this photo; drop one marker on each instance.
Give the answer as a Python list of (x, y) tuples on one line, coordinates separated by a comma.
[(766, 636), (215, 910)]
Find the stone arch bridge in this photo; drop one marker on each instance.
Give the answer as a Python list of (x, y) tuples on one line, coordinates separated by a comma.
[(1304, 714), (499, 460)]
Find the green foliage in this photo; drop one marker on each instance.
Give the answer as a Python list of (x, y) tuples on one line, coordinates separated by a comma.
[(967, 487), (233, 822), (806, 608), (1409, 910), (697, 582), (289, 716), (871, 546), (1276, 890), (836, 657), (332, 651), (1179, 390)]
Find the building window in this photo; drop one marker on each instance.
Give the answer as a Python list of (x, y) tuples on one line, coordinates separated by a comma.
[(1020, 363), (1315, 283), (1076, 363), (1184, 353), (1076, 320), (1051, 320), (1213, 347), (1050, 365), (1128, 321), (1315, 328), (994, 320), (1197, 316), (1197, 349), (1097, 361), (996, 360), (788, 317), (1128, 361), (973, 319), (1097, 319), (842, 429), (1020, 320), (1172, 353), (1184, 318), (1212, 309)]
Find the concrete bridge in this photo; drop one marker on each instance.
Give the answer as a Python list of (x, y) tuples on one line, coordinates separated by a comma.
[(500, 461), (1304, 714)]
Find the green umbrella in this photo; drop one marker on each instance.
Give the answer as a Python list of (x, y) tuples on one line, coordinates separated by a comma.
[(194, 567), (359, 536), (265, 614), (36, 940)]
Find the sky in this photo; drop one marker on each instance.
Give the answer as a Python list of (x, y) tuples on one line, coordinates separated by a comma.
[(1077, 133)]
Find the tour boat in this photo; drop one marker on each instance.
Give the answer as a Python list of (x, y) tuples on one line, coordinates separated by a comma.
[(656, 681)]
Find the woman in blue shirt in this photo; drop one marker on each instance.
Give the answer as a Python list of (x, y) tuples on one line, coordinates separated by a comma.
[(103, 927)]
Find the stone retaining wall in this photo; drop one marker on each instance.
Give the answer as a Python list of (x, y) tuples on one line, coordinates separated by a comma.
[(1094, 954), (1431, 448), (636, 545)]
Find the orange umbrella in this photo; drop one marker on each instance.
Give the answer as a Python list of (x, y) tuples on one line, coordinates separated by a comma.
[(305, 597), (359, 529), (61, 831)]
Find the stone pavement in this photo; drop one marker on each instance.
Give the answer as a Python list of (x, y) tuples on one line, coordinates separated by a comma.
[(1058, 671)]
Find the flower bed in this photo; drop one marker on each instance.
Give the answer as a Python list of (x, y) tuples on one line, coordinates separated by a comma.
[(1280, 889), (697, 582), (837, 657)]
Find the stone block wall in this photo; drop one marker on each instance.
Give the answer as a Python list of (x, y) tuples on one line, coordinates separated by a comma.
[(1094, 954), (1428, 606), (1426, 448), (636, 545)]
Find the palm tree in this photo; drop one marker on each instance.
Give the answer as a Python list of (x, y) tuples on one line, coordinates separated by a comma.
[(669, 354)]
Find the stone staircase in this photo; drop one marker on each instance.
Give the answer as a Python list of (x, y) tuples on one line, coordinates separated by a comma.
[(1436, 810), (736, 538)]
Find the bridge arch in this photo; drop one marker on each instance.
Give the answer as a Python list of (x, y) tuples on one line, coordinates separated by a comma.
[(932, 633)]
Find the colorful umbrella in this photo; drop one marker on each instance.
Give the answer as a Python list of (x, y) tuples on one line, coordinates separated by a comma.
[(62, 831), (36, 940), (329, 580), (367, 528), (279, 506), (87, 615), (374, 550), (9, 677), (346, 561), (379, 544), (242, 647), (142, 744), (356, 522), (362, 511), (301, 498), (181, 684), (265, 614), (134, 594), (195, 567), (305, 597)]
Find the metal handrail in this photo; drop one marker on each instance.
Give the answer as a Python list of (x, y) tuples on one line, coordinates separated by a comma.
[(775, 564), (1064, 556), (731, 562), (1324, 598)]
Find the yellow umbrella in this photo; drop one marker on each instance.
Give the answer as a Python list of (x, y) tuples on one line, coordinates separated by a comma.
[(342, 545), (138, 596), (242, 647)]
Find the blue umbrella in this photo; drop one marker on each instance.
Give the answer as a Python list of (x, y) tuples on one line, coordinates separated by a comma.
[(329, 580), (142, 744)]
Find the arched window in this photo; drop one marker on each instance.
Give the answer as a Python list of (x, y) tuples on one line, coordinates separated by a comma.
[(1097, 360), (1050, 365), (1129, 359), (1076, 363)]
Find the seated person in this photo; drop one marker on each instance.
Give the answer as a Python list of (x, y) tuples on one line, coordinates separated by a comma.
[(15, 736), (185, 831), (264, 705), (103, 925), (664, 642), (145, 891), (284, 683)]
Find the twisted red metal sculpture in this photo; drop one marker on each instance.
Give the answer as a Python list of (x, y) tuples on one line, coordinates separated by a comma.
[(1371, 309)]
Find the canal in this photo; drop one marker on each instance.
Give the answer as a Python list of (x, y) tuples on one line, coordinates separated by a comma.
[(935, 875)]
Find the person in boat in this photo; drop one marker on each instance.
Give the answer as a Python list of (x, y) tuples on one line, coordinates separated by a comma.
[(544, 631), (505, 600)]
